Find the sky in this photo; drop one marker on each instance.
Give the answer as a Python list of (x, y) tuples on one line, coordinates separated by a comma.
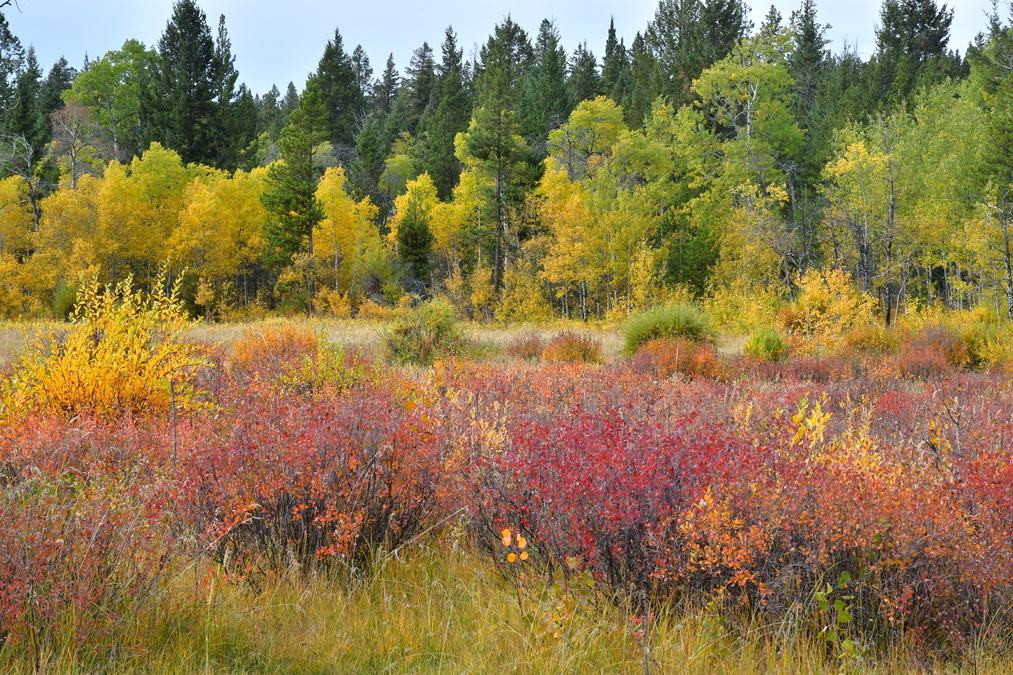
[(278, 42)]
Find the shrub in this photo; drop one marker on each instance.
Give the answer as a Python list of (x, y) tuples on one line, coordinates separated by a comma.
[(421, 335), (766, 344), (574, 348), (676, 321), (870, 338), (934, 352), (828, 304), (125, 352), (664, 358), (292, 358), (526, 347)]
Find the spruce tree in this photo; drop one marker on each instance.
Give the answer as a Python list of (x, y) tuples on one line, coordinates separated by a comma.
[(547, 102), (271, 120), (343, 98), (450, 112), (181, 105), (419, 84), (290, 196), (415, 245), (386, 88), (584, 82), (644, 81), (616, 74), (235, 125)]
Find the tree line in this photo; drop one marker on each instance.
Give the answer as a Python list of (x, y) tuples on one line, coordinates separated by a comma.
[(706, 157)]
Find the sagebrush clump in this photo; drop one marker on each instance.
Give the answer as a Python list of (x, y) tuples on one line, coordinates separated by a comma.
[(422, 334)]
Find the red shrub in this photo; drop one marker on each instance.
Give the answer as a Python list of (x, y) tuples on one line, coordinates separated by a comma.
[(527, 347), (663, 358)]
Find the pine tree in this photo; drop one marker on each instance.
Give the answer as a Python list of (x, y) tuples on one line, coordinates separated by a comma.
[(547, 102), (290, 197), (235, 114), (911, 45), (724, 22), (343, 98), (363, 71), (386, 88), (415, 243), (616, 73), (450, 112), (271, 120), (504, 63), (181, 104), (644, 79), (419, 85), (584, 82), (12, 59)]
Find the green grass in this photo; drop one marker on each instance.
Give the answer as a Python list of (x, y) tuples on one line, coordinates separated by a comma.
[(432, 611)]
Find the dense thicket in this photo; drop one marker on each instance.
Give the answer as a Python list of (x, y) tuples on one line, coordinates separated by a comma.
[(702, 157)]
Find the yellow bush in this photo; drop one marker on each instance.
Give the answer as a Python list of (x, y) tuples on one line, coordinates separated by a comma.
[(124, 352), (829, 303), (331, 303), (369, 309)]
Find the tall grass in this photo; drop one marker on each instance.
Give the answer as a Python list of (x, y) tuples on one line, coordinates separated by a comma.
[(432, 611)]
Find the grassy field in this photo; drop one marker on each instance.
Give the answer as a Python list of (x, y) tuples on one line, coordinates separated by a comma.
[(443, 611)]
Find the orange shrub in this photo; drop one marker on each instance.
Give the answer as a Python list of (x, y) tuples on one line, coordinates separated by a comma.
[(526, 347), (663, 358), (572, 347)]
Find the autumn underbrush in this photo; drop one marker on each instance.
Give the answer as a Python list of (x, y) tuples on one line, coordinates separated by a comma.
[(291, 505)]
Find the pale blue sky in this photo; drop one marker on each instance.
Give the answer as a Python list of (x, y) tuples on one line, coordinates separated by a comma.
[(276, 42)]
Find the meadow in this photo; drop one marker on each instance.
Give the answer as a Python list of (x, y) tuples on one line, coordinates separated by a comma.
[(418, 496)]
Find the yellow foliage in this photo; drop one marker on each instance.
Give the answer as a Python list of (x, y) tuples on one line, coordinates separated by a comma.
[(829, 303), (221, 225), (347, 238), (331, 303), (124, 353)]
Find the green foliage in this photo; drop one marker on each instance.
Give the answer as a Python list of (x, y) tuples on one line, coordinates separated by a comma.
[(292, 184), (64, 300), (675, 321), (421, 335), (766, 344)]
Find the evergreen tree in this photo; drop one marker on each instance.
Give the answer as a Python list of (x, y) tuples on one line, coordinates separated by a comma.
[(504, 63), (386, 88), (363, 72), (724, 22), (24, 120), (644, 80), (290, 196), (290, 102), (181, 105), (12, 59), (235, 125), (584, 82), (415, 244), (271, 120), (547, 102), (616, 73), (371, 150), (419, 86), (343, 98), (449, 116), (911, 45)]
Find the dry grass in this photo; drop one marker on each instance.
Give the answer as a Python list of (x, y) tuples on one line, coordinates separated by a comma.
[(436, 611), (366, 335)]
